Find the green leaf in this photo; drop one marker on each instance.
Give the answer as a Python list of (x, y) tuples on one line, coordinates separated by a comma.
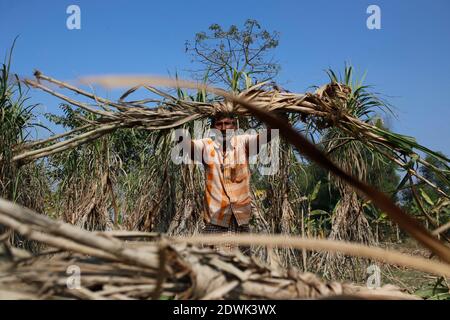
[(315, 192), (318, 212), (426, 197), (402, 183)]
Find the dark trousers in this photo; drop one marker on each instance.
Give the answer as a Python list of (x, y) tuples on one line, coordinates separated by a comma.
[(233, 228)]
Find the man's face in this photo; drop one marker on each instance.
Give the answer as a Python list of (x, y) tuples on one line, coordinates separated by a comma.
[(224, 124)]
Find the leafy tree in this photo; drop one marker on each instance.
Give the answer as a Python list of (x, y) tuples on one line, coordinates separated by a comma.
[(235, 56)]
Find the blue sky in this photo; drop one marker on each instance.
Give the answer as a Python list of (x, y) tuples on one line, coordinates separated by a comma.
[(407, 60)]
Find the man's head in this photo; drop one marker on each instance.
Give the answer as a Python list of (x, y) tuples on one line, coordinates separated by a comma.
[(223, 122)]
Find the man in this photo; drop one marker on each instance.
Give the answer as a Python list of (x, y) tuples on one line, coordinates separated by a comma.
[(227, 175)]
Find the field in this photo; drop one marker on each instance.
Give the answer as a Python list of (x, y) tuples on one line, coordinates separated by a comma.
[(102, 210)]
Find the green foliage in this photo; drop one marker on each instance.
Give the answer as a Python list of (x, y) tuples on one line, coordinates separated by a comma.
[(430, 199), (353, 155), (437, 291), (437, 172), (25, 184), (16, 122)]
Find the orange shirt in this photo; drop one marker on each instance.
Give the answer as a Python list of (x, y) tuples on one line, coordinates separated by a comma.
[(227, 179)]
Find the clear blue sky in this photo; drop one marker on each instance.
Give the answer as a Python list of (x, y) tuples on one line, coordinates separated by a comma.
[(407, 60)]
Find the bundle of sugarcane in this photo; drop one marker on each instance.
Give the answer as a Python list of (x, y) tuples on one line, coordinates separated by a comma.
[(202, 274), (109, 267), (332, 105)]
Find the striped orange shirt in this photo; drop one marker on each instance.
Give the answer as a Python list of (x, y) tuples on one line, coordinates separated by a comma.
[(227, 179)]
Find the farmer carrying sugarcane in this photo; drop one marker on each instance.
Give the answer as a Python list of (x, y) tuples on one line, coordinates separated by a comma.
[(227, 174)]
